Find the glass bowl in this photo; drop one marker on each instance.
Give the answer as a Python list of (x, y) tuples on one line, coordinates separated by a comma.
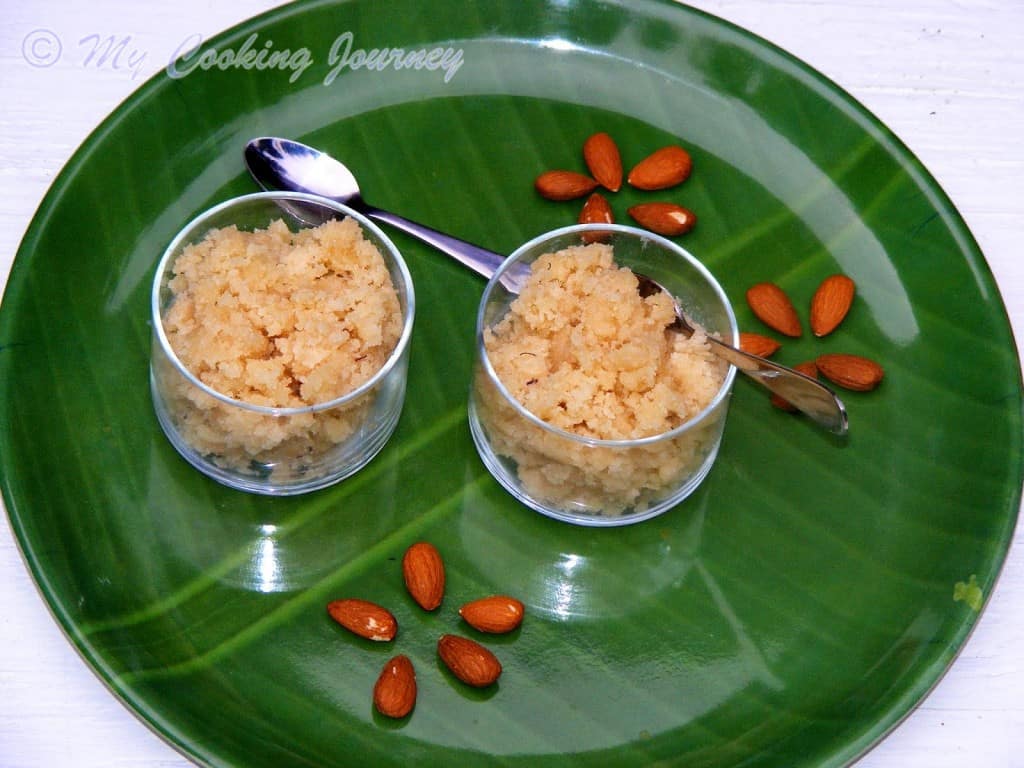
[(253, 443), (578, 478)]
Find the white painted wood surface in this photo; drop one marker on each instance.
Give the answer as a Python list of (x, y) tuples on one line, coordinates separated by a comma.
[(946, 75)]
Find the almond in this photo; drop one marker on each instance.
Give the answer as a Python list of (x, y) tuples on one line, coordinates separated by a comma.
[(757, 344), (495, 614), (564, 185), (423, 572), (596, 211), (604, 161), (468, 660), (830, 303), (850, 371), (772, 307), (664, 218), (364, 618), (662, 169), (807, 369), (394, 693)]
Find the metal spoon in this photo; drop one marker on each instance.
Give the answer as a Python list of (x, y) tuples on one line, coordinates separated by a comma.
[(282, 164), (285, 165)]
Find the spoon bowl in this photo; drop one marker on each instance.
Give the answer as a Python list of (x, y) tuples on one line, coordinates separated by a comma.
[(278, 164)]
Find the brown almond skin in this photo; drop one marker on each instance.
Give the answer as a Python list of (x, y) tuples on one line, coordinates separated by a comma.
[(772, 306), (468, 660), (564, 185), (601, 154), (850, 371), (363, 618), (423, 572), (664, 218), (758, 344), (496, 614), (807, 368), (831, 303), (662, 169), (394, 693)]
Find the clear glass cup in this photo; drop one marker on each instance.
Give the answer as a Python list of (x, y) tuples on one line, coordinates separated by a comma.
[(579, 479), (276, 450)]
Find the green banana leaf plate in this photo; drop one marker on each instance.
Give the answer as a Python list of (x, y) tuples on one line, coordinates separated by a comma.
[(790, 613)]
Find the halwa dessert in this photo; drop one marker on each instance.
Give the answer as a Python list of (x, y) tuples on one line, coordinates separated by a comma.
[(280, 319), (580, 349)]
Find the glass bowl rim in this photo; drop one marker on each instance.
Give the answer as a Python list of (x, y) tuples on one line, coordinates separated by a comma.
[(513, 259), (271, 196)]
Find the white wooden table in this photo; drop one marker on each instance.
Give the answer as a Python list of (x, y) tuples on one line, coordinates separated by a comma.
[(946, 75)]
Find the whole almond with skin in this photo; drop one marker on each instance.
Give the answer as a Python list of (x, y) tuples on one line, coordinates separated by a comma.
[(830, 303), (662, 169), (496, 614), (363, 618), (596, 211), (468, 660), (772, 306), (394, 693), (664, 218), (602, 157), (807, 369), (757, 344), (423, 572), (850, 371), (564, 185)]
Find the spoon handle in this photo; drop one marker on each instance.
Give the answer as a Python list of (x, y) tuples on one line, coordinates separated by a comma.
[(808, 395), (480, 260)]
